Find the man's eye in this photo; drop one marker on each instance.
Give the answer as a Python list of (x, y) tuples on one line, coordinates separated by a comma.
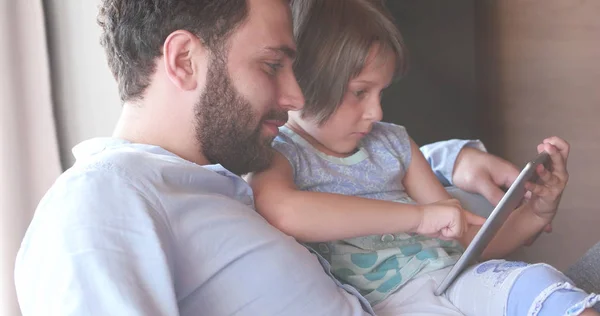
[(274, 67)]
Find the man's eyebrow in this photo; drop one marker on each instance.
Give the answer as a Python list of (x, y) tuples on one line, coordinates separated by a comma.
[(287, 50)]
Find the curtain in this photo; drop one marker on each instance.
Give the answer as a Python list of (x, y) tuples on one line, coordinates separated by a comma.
[(29, 154)]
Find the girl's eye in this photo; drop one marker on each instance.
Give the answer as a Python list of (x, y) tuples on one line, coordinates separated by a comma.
[(359, 93)]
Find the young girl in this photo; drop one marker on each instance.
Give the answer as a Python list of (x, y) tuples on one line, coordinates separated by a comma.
[(360, 193)]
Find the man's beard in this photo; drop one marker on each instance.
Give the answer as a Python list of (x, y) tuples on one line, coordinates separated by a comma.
[(228, 128)]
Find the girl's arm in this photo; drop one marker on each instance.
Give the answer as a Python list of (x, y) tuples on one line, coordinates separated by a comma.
[(423, 186), (531, 217), (420, 182), (314, 216)]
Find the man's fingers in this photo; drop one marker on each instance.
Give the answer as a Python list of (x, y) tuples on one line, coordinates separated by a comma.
[(502, 172), (508, 174), (473, 219), (490, 191)]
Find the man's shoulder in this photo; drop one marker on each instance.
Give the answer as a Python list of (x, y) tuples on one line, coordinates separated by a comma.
[(95, 188), (103, 172), (104, 186), (120, 161), (143, 169), (118, 176)]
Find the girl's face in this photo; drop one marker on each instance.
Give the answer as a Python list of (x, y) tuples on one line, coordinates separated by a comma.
[(360, 108)]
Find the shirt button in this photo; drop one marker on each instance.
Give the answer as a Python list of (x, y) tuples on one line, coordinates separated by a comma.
[(387, 238), (323, 248)]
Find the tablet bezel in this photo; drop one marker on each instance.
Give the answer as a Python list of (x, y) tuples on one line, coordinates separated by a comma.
[(510, 201)]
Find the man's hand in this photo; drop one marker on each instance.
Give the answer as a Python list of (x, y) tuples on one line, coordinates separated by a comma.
[(479, 172)]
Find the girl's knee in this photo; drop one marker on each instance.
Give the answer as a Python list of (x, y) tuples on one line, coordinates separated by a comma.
[(542, 290)]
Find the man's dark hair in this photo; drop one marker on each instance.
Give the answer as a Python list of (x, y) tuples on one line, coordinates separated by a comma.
[(134, 31)]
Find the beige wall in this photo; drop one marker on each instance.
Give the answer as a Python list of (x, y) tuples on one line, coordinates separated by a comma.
[(539, 75)]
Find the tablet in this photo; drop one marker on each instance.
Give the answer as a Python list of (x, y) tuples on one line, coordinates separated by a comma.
[(511, 200)]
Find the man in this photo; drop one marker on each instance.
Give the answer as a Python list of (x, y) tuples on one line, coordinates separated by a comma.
[(156, 220)]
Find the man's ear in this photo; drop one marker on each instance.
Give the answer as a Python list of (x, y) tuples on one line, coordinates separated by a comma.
[(180, 55)]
